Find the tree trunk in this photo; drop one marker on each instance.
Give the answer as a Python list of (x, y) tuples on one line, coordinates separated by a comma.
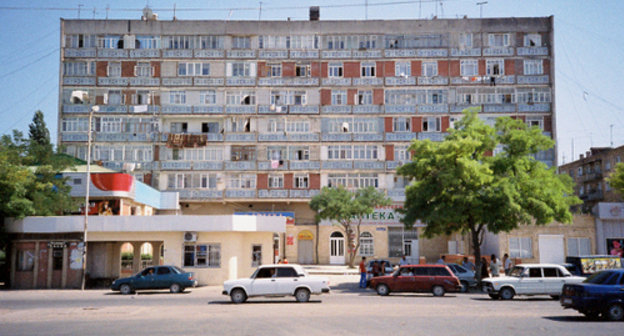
[(476, 246)]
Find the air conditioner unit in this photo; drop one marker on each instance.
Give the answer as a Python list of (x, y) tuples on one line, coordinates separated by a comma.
[(190, 236)]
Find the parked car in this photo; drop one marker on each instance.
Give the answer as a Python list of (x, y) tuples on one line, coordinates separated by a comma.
[(590, 264), (466, 277), (530, 279), (276, 280), (437, 279), (602, 293), (156, 277), (389, 269)]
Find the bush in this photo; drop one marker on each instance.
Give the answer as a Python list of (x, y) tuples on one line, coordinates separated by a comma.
[(127, 256), (146, 256)]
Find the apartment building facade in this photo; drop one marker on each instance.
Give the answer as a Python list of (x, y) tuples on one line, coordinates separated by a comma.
[(258, 116)]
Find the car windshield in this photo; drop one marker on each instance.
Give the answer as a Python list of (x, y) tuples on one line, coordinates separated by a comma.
[(598, 278), (516, 271), (177, 269)]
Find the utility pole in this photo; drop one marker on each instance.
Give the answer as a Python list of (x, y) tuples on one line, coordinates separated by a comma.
[(480, 4)]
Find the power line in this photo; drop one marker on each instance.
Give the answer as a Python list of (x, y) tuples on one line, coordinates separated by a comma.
[(26, 114), (29, 64)]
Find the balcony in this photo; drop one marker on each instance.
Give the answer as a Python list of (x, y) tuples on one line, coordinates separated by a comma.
[(400, 109), (246, 109), (533, 51), (402, 136), (368, 137), (241, 54), (368, 81), (177, 81), (240, 137), (273, 166), (79, 52), (272, 137), (436, 108), (272, 193), (594, 195), (208, 53), (240, 165), (433, 136), (204, 109), (542, 107), (273, 54), (87, 81), (367, 54), (369, 165), (304, 54), (240, 81), (303, 193), (365, 109), (398, 81), (176, 109), (145, 53), (336, 81), (433, 81), (175, 165), (305, 165), (208, 165), (541, 79), (113, 81), (177, 53), (112, 53), (336, 109), (203, 81), (303, 137), (186, 194), (303, 109), (498, 51), (336, 54), (462, 52), (240, 193), (342, 164), (592, 176)]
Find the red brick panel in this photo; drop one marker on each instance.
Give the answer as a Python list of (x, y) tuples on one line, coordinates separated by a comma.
[(156, 66), (156, 153), (548, 124), (388, 124), (547, 67), (128, 95), (389, 152), (127, 68), (416, 68), (288, 181), (288, 69), (325, 97), (443, 68), (263, 181), (147, 178), (156, 100), (351, 69), (388, 68), (378, 96), (351, 96), (445, 124), (315, 70), (42, 276), (523, 118), (416, 124), (510, 67), (315, 181), (324, 70), (101, 69), (99, 100), (262, 69), (481, 67), (454, 69)]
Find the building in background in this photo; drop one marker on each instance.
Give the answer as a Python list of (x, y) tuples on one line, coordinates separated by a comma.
[(258, 116)]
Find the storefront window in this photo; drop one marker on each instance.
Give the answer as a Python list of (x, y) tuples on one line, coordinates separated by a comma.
[(25, 260), (256, 255), (366, 244)]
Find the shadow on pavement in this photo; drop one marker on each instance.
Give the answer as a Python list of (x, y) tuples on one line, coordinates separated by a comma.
[(252, 301), (579, 318), (151, 292), (529, 299)]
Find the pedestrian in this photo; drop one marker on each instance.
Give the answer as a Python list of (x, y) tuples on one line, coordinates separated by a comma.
[(495, 266), (279, 261), (442, 260), (376, 268), (383, 267), (507, 264), (363, 273), (403, 261), (468, 264), (484, 269), (285, 261)]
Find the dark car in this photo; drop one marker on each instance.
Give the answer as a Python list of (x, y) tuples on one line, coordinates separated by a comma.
[(156, 277), (437, 279), (601, 293)]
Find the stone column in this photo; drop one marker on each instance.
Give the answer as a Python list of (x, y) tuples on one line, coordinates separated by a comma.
[(136, 260)]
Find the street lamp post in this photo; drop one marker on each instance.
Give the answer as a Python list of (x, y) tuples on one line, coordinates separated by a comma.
[(94, 108)]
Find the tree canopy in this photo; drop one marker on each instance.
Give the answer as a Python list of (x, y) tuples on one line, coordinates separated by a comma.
[(616, 180), (483, 177), (347, 209)]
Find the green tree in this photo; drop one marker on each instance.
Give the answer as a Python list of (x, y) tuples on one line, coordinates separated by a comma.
[(347, 209), (40, 147), (459, 186), (616, 179)]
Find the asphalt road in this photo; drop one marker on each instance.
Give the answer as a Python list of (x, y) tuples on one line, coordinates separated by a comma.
[(346, 311)]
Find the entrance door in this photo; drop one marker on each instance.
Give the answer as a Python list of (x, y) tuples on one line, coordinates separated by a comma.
[(551, 249), (336, 248), (410, 249), (305, 251)]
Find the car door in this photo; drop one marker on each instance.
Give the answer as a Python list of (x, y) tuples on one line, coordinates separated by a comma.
[(164, 277), (422, 279), (531, 281), (264, 282), (553, 280), (287, 280), (146, 279), (404, 280)]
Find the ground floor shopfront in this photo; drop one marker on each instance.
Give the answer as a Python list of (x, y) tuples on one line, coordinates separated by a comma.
[(610, 228)]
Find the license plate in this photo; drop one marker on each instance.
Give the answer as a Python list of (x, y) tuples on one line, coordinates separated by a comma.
[(566, 301)]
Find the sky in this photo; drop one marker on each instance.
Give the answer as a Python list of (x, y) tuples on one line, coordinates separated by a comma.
[(589, 45)]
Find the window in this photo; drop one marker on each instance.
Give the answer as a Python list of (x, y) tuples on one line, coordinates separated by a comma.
[(550, 272), (494, 67), (178, 127), (57, 258), (465, 40), (242, 181), (273, 42), (110, 42), (143, 69), (243, 153), (301, 181), (401, 153), (142, 97), (535, 272), (533, 67), (275, 70), (530, 96), (147, 42), (335, 70), (256, 255), (192, 42), (208, 97), (275, 125), (192, 181), (297, 126), (520, 247), (80, 41), (353, 181), (163, 270), (402, 69), (499, 40), (532, 40), (339, 97), (202, 255), (276, 181), (241, 42), (429, 69), (300, 153), (401, 124), (579, 246), (177, 97), (25, 260), (241, 69), (303, 42), (535, 122), (240, 98), (361, 125), (335, 42), (210, 127), (114, 69), (74, 125), (79, 68), (367, 69), (108, 125), (365, 152), (364, 97), (431, 124), (303, 70), (339, 152), (193, 69), (366, 244), (239, 124), (469, 68)]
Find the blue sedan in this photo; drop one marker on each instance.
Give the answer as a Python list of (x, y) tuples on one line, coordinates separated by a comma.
[(602, 293), (156, 277)]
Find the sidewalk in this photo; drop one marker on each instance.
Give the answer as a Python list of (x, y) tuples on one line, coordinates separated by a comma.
[(331, 270)]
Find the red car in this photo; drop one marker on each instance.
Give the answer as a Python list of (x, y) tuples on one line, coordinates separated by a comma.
[(437, 279)]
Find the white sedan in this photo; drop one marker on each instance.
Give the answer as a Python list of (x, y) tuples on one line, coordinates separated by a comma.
[(276, 280), (530, 279)]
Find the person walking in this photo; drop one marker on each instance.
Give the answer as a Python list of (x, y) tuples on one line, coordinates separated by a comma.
[(484, 269), (363, 273), (507, 264), (495, 266), (403, 261), (468, 264), (442, 260)]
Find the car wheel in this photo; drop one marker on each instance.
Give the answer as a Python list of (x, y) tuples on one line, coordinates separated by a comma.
[(494, 296), (438, 291), (238, 296), (383, 289), (555, 297), (175, 288), (507, 293), (125, 289), (465, 286), (302, 295), (615, 312)]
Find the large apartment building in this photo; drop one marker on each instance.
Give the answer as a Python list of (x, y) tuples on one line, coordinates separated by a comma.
[(258, 116)]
